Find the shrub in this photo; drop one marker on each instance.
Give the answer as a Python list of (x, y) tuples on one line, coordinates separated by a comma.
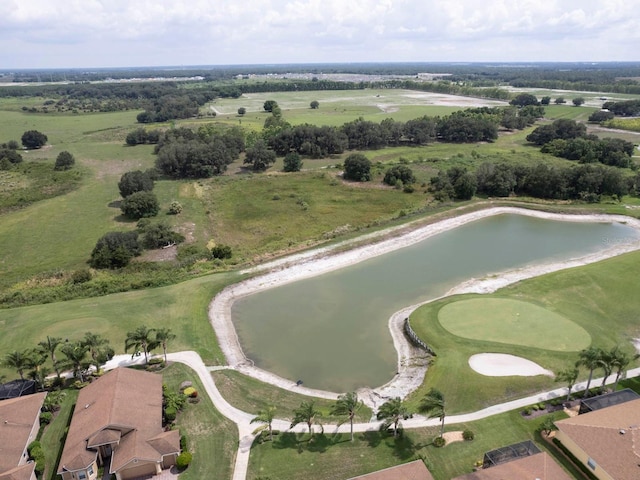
[(527, 411), (33, 446), (468, 435), (184, 443), (45, 418), (136, 181), (155, 361), (81, 276), (170, 414), (160, 235), (140, 205), (399, 172), (64, 161), (221, 251), (292, 162), (439, 442), (175, 208), (33, 139), (115, 250), (183, 460), (190, 391), (357, 167)]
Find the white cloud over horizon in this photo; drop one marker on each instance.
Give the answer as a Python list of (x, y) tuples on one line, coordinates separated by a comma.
[(124, 33)]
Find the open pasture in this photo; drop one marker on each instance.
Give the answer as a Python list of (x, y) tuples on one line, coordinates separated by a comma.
[(513, 322)]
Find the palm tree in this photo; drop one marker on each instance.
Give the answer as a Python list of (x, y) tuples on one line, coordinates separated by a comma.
[(19, 360), (392, 412), (163, 336), (433, 405), (141, 337), (99, 349), (306, 413), (35, 362), (620, 362), (265, 416), (76, 354), (49, 346), (347, 404), (589, 358), (606, 363), (569, 375)]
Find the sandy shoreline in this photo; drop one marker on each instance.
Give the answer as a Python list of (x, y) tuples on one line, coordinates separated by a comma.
[(411, 362)]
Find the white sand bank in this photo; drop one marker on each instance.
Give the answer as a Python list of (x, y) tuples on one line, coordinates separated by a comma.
[(502, 365)]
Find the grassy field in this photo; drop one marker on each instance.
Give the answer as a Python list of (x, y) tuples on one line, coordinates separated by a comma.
[(598, 297), (251, 395), (181, 307), (212, 438), (335, 457), (513, 322)]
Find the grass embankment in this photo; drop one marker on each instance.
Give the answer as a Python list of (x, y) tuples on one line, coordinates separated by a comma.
[(181, 307), (212, 438), (599, 297), (335, 457), (251, 395)]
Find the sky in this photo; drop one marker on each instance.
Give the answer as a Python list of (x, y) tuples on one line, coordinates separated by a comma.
[(128, 33)]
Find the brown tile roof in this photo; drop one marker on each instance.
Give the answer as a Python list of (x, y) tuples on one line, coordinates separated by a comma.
[(539, 466), (17, 416), (124, 400), (22, 472), (610, 436), (415, 470)]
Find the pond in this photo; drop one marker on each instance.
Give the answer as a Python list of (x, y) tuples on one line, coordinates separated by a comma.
[(331, 330)]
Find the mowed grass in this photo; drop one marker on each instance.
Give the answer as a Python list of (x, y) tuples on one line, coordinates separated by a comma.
[(211, 437), (52, 439), (181, 307), (251, 395), (330, 457), (513, 322), (599, 297)]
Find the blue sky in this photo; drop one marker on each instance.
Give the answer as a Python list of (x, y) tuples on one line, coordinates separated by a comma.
[(122, 33)]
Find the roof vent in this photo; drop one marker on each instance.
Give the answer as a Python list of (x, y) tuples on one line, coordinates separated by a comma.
[(87, 405), (622, 432)]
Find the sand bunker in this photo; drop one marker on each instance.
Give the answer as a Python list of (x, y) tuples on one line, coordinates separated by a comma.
[(502, 365)]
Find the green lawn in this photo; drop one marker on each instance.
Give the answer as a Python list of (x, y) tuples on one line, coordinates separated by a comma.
[(335, 457), (599, 297), (251, 395), (181, 307), (513, 322), (212, 438), (53, 437)]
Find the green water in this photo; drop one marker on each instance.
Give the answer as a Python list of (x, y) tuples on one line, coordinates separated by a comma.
[(331, 331)]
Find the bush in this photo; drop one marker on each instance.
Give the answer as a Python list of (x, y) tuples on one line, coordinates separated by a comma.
[(439, 442), (399, 172), (527, 411), (160, 235), (33, 139), (136, 181), (45, 418), (221, 251), (468, 435), (175, 208), (183, 460), (170, 414), (64, 161), (357, 167), (190, 392), (184, 443), (292, 162), (81, 276), (115, 250), (140, 205)]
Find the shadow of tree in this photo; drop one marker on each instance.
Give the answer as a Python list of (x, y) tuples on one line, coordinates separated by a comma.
[(373, 439)]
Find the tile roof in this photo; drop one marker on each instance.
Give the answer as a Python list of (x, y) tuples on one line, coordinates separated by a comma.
[(17, 416), (539, 466), (124, 400), (22, 472), (415, 470), (610, 436)]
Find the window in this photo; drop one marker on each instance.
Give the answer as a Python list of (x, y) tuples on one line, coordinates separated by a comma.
[(82, 475), (90, 470), (592, 464)]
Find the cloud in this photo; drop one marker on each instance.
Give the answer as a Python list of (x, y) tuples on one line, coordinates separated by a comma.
[(124, 32)]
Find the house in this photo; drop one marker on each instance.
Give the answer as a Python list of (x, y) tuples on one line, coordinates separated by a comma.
[(415, 470), (537, 466), (19, 424), (117, 422), (606, 441)]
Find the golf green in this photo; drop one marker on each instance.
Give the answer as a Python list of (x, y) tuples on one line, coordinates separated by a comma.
[(513, 322)]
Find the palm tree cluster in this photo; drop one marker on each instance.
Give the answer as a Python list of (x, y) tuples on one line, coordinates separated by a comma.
[(79, 356), (610, 361), (147, 339)]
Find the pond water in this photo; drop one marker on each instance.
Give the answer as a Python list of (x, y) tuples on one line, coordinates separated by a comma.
[(331, 331)]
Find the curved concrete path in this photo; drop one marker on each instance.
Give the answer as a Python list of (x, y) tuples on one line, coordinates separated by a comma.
[(245, 428)]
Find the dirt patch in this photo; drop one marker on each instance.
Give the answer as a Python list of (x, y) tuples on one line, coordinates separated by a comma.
[(159, 255)]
